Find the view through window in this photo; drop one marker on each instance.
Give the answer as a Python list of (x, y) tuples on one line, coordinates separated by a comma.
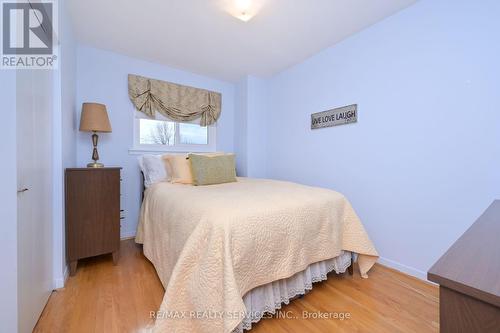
[(169, 133)]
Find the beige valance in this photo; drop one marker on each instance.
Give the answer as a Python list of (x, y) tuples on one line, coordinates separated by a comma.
[(175, 101)]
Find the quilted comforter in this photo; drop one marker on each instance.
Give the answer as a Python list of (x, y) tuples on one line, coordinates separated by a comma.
[(212, 244)]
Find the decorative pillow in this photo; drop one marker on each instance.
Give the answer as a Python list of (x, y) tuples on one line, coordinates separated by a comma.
[(216, 169), (153, 168), (180, 169), (168, 167)]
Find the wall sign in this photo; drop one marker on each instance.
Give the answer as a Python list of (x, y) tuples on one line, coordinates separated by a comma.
[(338, 116)]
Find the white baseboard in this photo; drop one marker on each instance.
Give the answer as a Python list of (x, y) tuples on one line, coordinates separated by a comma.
[(61, 281), (403, 268), (127, 234)]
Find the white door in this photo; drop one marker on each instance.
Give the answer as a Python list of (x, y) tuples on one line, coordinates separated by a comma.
[(34, 89)]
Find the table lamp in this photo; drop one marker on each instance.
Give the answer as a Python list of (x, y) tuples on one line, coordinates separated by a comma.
[(94, 118)]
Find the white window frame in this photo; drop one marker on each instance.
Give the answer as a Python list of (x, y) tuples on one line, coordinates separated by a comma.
[(138, 148)]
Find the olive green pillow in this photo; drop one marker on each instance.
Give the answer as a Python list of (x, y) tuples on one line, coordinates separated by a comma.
[(208, 170)]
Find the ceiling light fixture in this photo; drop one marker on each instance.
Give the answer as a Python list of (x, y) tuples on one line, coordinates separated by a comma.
[(243, 10), (243, 7)]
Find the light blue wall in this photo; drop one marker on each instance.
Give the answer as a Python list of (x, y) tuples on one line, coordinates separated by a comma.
[(102, 77), (423, 161), (241, 127), (68, 90), (251, 127), (64, 136), (257, 123)]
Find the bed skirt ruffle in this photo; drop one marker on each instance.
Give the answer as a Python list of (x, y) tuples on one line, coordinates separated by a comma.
[(268, 298)]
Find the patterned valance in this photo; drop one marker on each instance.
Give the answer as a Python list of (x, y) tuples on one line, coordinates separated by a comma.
[(174, 101)]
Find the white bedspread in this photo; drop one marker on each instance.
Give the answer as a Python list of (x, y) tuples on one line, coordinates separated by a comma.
[(212, 244)]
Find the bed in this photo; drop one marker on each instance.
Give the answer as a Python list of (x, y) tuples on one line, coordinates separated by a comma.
[(227, 253)]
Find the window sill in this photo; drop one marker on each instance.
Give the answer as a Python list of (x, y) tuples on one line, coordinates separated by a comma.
[(164, 150)]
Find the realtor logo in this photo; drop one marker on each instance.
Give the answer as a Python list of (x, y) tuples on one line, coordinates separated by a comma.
[(28, 34)]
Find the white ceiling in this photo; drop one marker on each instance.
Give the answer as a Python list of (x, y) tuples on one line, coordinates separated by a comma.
[(200, 36)]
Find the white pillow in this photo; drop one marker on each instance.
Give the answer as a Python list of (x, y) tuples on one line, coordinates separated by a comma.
[(153, 168)]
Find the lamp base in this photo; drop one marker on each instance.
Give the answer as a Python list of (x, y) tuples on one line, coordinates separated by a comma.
[(95, 165)]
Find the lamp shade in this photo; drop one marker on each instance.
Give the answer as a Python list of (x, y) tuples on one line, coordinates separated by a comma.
[(94, 118)]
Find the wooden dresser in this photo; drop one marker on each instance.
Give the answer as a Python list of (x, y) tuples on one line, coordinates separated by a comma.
[(468, 275), (92, 213)]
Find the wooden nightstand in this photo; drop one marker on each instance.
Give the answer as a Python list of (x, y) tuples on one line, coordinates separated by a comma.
[(92, 213)]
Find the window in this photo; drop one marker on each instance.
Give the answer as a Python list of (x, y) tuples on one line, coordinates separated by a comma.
[(165, 135)]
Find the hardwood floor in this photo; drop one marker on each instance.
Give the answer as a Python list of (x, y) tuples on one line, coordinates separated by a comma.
[(106, 298)]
